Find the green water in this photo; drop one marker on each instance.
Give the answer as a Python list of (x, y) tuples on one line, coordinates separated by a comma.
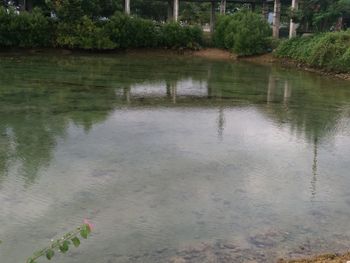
[(172, 158)]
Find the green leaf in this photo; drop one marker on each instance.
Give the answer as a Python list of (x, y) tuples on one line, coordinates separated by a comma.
[(84, 233), (86, 227), (76, 241), (64, 247), (49, 254), (32, 261)]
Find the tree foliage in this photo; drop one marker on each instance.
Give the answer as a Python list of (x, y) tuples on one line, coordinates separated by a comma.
[(83, 32), (320, 15), (245, 33)]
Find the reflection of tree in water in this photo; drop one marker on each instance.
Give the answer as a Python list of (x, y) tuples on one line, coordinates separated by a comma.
[(41, 95), (307, 104), (30, 139), (311, 109)]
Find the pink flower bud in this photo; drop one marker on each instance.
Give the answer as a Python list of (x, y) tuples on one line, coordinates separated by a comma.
[(89, 224)]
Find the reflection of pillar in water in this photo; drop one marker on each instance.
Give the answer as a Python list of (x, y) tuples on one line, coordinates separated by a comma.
[(168, 89), (221, 123), (209, 87), (287, 92), (314, 171), (173, 92), (126, 93), (271, 89)]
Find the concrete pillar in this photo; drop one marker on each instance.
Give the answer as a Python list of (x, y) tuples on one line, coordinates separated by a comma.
[(176, 10), (127, 7), (339, 25), (222, 7), (293, 26), (265, 10), (170, 10), (212, 17), (23, 5), (253, 7), (276, 19)]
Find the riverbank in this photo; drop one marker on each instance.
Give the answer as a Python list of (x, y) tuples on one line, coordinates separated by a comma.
[(207, 53), (270, 58), (329, 258)]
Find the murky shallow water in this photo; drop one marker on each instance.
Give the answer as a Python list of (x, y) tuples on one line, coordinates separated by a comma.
[(173, 159)]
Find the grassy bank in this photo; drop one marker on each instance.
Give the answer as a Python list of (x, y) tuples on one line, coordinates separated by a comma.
[(325, 51)]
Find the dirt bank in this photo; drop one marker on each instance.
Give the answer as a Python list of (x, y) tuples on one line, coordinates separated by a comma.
[(329, 258), (220, 54), (209, 53), (214, 53)]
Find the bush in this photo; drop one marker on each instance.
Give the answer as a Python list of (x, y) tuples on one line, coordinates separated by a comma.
[(245, 33), (119, 31), (25, 29), (329, 51), (83, 34), (173, 35), (130, 32)]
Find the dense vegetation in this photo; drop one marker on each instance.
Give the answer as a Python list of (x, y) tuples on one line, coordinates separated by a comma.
[(245, 33), (321, 15), (118, 31), (329, 51)]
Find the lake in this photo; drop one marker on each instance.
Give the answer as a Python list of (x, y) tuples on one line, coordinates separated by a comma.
[(173, 158)]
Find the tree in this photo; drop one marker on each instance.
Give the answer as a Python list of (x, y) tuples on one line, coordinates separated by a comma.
[(321, 15)]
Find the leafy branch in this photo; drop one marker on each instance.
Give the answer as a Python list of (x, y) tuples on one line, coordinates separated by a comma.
[(63, 244)]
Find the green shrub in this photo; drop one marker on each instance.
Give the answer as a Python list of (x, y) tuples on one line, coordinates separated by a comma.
[(245, 33), (83, 34), (25, 29), (132, 32), (119, 31), (219, 35), (327, 50), (173, 35)]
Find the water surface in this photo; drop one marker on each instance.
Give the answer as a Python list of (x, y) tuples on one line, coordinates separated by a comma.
[(172, 158)]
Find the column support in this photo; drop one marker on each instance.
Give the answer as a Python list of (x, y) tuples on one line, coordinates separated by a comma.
[(276, 19), (223, 7), (170, 10), (212, 17), (265, 10), (127, 7), (176, 10), (293, 26)]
